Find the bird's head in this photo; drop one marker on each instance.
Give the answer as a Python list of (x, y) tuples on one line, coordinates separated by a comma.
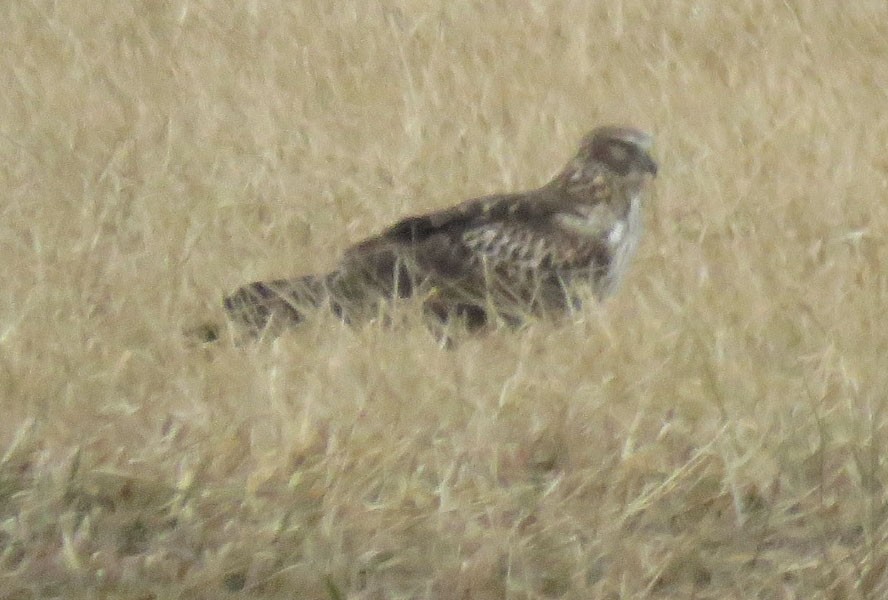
[(622, 149), (622, 152)]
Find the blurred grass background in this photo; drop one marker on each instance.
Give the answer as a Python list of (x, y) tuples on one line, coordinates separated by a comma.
[(716, 430)]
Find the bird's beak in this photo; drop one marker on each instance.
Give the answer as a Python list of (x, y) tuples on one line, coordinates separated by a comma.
[(649, 165)]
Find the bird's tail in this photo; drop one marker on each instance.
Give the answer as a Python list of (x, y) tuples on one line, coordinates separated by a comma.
[(284, 301), (356, 290)]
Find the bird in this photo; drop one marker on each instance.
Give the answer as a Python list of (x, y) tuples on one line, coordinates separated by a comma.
[(496, 259)]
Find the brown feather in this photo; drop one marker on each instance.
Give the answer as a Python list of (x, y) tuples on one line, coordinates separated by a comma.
[(504, 255)]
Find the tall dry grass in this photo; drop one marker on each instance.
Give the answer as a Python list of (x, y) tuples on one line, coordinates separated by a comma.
[(717, 430)]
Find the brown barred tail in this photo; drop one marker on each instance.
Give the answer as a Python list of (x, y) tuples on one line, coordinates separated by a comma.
[(283, 301)]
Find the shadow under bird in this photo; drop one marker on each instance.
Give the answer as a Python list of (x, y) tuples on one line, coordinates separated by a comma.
[(498, 258)]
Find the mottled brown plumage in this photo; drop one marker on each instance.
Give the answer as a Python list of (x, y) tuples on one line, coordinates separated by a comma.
[(498, 257)]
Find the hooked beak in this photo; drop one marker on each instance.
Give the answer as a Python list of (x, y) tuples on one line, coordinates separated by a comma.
[(649, 166)]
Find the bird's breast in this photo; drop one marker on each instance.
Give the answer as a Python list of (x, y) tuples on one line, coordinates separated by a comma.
[(588, 222)]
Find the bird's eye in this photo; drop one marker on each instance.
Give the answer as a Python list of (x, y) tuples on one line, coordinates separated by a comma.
[(618, 153)]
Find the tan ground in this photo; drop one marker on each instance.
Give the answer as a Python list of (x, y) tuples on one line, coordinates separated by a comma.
[(717, 430)]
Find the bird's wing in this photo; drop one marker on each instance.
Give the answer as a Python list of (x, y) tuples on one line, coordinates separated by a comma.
[(502, 232)]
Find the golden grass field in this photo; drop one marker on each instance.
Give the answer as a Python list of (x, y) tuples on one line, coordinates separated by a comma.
[(718, 429)]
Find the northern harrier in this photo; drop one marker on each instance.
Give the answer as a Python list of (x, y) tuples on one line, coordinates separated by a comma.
[(496, 258)]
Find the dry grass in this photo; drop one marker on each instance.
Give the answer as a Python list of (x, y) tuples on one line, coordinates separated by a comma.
[(718, 430)]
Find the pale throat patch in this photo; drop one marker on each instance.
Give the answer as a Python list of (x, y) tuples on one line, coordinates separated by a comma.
[(595, 221), (617, 232)]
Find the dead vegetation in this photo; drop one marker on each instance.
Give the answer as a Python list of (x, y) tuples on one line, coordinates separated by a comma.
[(717, 430)]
